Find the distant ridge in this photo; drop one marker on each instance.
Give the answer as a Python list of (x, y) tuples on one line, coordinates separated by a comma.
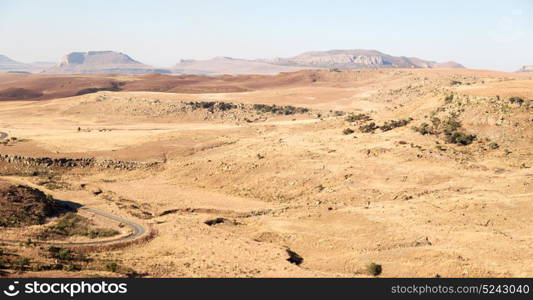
[(526, 69), (231, 66), (333, 59), (102, 62), (94, 62), (8, 65), (357, 59)]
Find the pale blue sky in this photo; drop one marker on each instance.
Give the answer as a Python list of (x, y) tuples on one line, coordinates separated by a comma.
[(480, 34)]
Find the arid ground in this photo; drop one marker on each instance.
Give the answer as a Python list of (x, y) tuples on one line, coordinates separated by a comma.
[(425, 172)]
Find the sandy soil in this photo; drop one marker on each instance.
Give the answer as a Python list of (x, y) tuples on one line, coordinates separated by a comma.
[(413, 203)]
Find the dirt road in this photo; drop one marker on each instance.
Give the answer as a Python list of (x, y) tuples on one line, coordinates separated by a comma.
[(138, 230)]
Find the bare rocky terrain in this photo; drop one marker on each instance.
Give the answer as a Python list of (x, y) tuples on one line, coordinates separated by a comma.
[(315, 173)]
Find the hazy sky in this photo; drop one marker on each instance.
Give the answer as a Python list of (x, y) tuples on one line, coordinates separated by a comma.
[(479, 34)]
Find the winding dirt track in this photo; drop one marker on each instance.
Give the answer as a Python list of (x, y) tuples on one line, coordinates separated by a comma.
[(138, 230)]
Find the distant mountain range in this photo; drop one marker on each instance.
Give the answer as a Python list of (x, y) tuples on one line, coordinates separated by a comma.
[(357, 59), (9, 65), (526, 69), (94, 62)]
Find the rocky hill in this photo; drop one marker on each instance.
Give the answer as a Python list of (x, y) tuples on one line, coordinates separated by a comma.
[(8, 65), (23, 205), (357, 59), (95, 62), (526, 69)]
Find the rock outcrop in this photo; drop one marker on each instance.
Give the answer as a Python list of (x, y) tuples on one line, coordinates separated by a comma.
[(75, 162)]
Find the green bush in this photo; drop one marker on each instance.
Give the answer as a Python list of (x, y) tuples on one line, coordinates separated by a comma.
[(423, 129), (359, 117), (369, 128), (72, 224), (390, 125), (280, 110), (448, 98), (101, 232), (459, 138), (347, 131), (111, 266), (450, 129), (21, 263)]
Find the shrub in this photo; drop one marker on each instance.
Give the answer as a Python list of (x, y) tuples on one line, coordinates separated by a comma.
[(280, 110), (493, 145), (374, 269), (111, 266), (390, 125), (347, 131), (359, 117), (64, 254), (436, 122), (448, 98), (450, 125), (516, 100), (72, 224), (101, 232), (450, 129), (21, 263), (369, 128), (423, 129), (459, 138)]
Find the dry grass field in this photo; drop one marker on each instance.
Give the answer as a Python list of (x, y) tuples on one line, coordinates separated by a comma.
[(426, 172)]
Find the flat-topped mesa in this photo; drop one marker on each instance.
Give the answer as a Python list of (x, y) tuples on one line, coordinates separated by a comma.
[(94, 62), (96, 58), (357, 59)]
